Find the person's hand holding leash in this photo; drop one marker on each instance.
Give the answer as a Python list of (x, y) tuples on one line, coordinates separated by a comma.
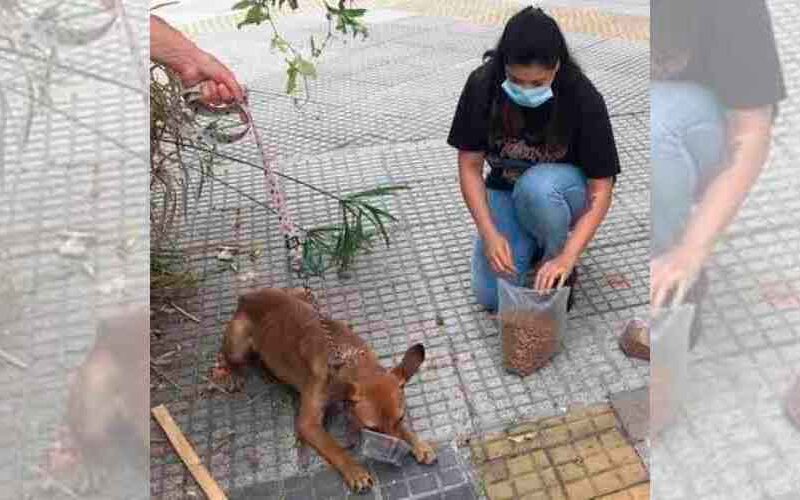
[(193, 66), (218, 85)]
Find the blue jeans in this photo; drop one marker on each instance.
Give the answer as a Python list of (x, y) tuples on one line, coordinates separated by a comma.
[(687, 145), (535, 218)]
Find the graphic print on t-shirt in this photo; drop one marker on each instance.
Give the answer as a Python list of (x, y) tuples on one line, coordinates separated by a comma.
[(518, 149)]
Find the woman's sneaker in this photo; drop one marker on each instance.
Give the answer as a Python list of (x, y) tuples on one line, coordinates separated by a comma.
[(570, 282)]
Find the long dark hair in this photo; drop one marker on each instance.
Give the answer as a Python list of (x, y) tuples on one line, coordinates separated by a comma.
[(530, 37), (675, 31)]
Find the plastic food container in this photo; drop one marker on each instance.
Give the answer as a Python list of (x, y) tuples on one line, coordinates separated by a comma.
[(669, 359), (531, 324), (383, 448)]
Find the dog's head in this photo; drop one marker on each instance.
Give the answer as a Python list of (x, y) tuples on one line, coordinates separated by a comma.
[(379, 403)]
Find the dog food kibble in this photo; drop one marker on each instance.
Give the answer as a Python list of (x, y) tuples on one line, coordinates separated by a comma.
[(529, 341)]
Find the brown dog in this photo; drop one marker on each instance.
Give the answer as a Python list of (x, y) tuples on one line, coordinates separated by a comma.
[(107, 426), (326, 362)]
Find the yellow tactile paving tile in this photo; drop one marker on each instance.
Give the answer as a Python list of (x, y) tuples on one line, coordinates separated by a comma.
[(485, 12), (578, 456), (497, 12)]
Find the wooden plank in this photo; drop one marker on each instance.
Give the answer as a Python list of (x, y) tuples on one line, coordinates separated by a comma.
[(187, 453), (13, 360)]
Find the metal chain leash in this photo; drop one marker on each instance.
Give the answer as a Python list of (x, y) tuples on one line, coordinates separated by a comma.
[(337, 356), (310, 293), (287, 227)]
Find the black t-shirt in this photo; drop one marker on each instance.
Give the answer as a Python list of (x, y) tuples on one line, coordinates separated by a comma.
[(586, 138), (726, 45)]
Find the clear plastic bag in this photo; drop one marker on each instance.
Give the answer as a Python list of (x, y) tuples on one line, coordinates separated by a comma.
[(531, 326), (383, 448), (669, 360)]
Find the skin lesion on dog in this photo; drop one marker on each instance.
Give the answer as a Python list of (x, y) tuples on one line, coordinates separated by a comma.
[(326, 362)]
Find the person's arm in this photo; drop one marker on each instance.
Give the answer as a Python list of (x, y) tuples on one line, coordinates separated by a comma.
[(599, 200), (743, 34), (497, 249), (749, 133), (166, 42), (171, 48), (554, 271), (598, 157), (473, 188)]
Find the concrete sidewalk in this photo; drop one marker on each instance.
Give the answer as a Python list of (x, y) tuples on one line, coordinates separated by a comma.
[(379, 113)]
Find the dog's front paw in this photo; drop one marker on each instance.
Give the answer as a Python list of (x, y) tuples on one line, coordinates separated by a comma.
[(424, 453), (357, 478)]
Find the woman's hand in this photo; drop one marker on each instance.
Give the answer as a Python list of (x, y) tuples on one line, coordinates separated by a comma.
[(557, 270), (554, 272), (674, 273), (498, 253), (495, 245)]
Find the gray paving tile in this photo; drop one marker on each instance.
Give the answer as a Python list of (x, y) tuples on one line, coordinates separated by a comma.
[(633, 410), (622, 93), (413, 482), (626, 57)]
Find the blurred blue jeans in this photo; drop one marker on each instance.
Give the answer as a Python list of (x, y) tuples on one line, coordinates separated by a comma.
[(687, 147), (535, 218)]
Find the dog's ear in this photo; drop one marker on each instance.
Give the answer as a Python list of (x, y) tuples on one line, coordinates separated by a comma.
[(412, 360)]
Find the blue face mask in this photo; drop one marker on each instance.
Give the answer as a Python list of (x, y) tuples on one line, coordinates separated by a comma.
[(529, 98)]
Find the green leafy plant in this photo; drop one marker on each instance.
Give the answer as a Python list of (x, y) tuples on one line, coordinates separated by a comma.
[(337, 245), (342, 18), (175, 131)]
